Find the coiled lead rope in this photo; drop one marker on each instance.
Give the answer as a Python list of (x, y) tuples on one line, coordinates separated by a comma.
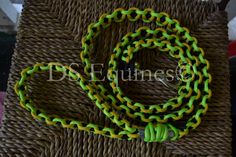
[(169, 36)]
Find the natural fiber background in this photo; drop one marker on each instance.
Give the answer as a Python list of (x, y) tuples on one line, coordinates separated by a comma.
[(51, 30)]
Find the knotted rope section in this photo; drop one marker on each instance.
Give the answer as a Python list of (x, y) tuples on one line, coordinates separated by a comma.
[(159, 119)]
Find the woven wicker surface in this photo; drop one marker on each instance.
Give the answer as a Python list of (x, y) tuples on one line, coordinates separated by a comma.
[(51, 30)]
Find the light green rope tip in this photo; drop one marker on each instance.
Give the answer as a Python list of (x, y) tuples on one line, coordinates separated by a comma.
[(160, 133)]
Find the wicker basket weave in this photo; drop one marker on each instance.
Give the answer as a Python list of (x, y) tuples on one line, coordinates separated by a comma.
[(51, 30)]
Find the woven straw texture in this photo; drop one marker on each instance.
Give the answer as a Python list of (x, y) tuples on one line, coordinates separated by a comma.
[(51, 30)]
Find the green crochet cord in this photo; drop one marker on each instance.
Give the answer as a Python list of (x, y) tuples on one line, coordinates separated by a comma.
[(157, 120)]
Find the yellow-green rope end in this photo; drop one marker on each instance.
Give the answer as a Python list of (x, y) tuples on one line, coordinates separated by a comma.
[(160, 133)]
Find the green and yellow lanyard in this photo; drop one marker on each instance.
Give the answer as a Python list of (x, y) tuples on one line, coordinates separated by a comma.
[(169, 36)]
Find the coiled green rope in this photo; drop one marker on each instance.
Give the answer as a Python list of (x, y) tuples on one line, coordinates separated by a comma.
[(169, 36)]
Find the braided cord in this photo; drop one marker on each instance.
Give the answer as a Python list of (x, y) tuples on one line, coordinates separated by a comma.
[(169, 36)]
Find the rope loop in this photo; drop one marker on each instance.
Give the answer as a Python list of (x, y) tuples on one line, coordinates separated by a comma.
[(132, 117)]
